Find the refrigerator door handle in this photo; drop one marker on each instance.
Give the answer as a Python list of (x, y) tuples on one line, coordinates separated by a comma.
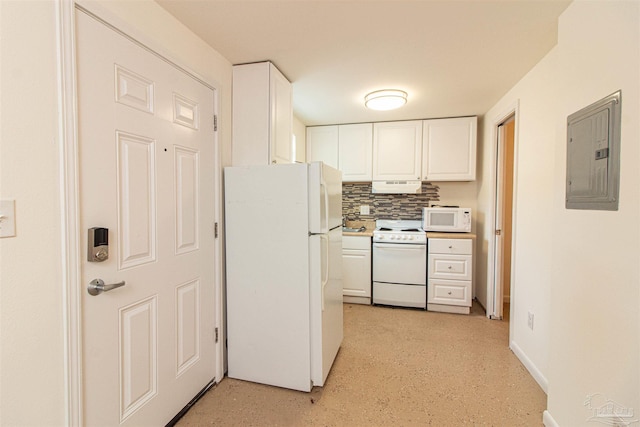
[(325, 193), (324, 278)]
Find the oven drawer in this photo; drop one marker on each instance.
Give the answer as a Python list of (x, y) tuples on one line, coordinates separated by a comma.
[(454, 267), (400, 295), (450, 292), (404, 264)]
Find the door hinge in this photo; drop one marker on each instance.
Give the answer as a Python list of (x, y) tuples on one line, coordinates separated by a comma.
[(215, 122), (215, 230), (498, 232), (216, 334)]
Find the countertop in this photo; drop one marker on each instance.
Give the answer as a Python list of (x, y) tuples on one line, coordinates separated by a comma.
[(368, 232), (371, 225)]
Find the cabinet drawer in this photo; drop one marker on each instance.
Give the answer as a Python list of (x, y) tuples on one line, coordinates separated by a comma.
[(356, 242), (449, 292), (451, 246), (400, 295), (453, 267)]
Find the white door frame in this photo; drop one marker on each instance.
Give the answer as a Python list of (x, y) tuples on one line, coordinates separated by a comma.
[(492, 310), (72, 286), (498, 248)]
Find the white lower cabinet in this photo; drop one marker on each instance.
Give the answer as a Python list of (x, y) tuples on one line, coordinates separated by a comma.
[(356, 269), (450, 273)]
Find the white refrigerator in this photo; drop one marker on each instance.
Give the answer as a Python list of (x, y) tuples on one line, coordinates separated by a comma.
[(284, 273)]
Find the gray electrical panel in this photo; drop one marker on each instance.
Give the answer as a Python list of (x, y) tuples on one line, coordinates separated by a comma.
[(593, 155)]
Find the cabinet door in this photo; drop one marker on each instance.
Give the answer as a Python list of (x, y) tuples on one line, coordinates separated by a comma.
[(322, 145), (356, 266), (355, 154), (396, 150), (449, 149), (281, 118), (356, 273), (251, 127)]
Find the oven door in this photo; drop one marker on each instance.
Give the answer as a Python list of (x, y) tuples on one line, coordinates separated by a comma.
[(400, 263)]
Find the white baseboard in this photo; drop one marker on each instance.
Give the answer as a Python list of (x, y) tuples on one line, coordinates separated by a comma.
[(548, 420), (356, 300), (531, 367)]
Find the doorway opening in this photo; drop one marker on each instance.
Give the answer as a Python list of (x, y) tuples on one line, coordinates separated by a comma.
[(503, 226)]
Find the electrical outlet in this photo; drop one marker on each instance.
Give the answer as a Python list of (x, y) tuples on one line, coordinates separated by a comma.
[(364, 209), (530, 320)]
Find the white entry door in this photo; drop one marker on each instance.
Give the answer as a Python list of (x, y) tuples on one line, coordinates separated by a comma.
[(147, 174)]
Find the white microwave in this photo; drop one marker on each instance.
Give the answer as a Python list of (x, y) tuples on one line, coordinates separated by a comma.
[(456, 220)]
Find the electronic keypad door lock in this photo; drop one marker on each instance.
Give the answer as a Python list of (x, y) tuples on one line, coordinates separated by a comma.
[(98, 245)]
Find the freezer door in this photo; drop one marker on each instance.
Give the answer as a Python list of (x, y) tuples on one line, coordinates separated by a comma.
[(326, 302), (325, 198)]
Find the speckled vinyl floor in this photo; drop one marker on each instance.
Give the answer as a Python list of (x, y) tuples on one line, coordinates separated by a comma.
[(396, 367)]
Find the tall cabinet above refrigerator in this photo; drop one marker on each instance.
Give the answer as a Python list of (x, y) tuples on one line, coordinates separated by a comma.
[(283, 259)]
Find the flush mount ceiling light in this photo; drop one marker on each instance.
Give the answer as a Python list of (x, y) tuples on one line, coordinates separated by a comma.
[(388, 99)]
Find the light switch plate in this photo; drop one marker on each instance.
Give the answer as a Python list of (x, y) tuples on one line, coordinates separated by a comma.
[(364, 209), (7, 218)]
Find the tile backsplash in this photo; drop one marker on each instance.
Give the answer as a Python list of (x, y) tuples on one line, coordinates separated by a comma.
[(385, 206)]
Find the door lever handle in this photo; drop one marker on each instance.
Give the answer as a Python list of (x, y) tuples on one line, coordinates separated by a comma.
[(97, 286)]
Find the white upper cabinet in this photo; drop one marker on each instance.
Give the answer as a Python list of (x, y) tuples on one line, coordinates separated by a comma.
[(426, 150), (345, 147), (449, 149), (262, 115), (322, 145), (281, 117), (397, 148), (355, 152)]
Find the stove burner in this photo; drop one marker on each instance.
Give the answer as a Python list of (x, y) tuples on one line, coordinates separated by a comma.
[(410, 229), (384, 229)]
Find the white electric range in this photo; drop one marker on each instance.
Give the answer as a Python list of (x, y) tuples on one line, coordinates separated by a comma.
[(400, 264)]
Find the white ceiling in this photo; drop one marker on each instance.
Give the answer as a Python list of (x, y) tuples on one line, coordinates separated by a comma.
[(454, 58)]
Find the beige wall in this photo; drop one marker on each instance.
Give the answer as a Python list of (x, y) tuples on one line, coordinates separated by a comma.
[(577, 271), (32, 389), (595, 282), (31, 333), (531, 236)]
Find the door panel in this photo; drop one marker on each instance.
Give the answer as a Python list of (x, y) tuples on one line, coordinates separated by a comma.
[(136, 172), (139, 355), (147, 173), (186, 170), (188, 325)]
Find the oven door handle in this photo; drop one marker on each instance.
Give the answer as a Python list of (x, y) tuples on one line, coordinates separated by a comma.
[(408, 247)]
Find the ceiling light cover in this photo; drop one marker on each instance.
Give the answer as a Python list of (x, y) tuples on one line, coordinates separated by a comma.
[(388, 99)]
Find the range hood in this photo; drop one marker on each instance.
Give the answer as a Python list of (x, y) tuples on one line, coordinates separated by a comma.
[(396, 187)]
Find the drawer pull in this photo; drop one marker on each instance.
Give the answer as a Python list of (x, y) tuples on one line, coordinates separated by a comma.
[(449, 292), (449, 267), (451, 247)]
